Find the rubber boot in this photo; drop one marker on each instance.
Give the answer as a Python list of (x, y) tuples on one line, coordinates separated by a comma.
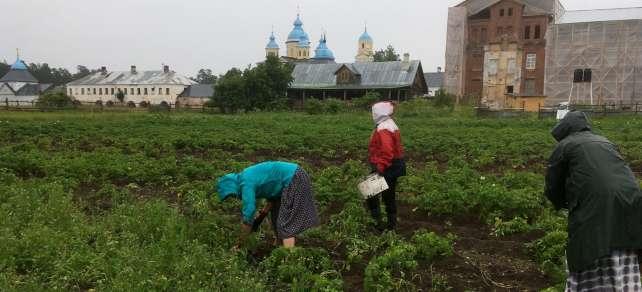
[(376, 216), (392, 221)]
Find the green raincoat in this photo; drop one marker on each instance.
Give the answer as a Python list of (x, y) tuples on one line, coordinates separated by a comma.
[(588, 176)]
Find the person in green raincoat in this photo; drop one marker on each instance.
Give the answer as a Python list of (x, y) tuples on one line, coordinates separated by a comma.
[(286, 187), (587, 176)]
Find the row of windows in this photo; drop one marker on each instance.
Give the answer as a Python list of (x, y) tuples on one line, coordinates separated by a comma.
[(531, 64), (113, 91), (502, 12), (508, 30), (536, 35)]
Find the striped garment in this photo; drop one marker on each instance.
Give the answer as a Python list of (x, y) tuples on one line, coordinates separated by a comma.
[(295, 211), (618, 272)]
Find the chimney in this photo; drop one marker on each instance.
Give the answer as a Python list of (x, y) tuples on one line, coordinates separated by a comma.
[(103, 70), (166, 68), (405, 64), (133, 69), (438, 69)]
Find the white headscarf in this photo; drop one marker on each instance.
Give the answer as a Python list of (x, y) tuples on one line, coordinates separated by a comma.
[(382, 111)]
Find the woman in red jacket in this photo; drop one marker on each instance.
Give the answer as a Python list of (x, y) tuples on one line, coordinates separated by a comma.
[(385, 154)]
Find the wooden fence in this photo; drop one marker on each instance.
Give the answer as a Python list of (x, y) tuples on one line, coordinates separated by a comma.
[(595, 110)]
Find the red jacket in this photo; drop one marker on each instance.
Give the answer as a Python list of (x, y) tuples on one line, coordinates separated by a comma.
[(385, 145)]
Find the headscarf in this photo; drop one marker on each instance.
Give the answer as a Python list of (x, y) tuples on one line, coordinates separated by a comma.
[(228, 185), (382, 111)]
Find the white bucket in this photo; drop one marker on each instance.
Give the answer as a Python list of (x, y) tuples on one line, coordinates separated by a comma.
[(372, 185)]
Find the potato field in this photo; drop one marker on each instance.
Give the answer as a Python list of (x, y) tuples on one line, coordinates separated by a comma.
[(125, 202)]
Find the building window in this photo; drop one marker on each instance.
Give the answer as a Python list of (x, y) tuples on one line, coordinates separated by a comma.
[(70, 92), (512, 66), (131, 91), (510, 89), (531, 61), (509, 30), (537, 32), (588, 74), (527, 32), (510, 11), (153, 90), (529, 87), (492, 67), (484, 35), (112, 91), (167, 91), (100, 91), (94, 91), (501, 12), (137, 91), (82, 91), (145, 90), (363, 46)]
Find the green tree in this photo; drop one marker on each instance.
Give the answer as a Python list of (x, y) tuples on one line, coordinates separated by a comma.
[(54, 100), (82, 71), (389, 54), (254, 88), (4, 68), (205, 76), (229, 91)]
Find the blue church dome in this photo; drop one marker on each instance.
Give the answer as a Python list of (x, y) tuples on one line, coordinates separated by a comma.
[(322, 51), (304, 40), (272, 44), (365, 37), (19, 65), (297, 32)]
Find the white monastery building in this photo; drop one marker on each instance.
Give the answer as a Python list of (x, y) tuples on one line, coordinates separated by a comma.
[(133, 86)]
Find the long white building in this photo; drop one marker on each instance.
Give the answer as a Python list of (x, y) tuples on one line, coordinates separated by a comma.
[(135, 87)]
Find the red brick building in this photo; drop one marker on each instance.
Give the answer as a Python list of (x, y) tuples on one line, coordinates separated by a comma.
[(496, 48)]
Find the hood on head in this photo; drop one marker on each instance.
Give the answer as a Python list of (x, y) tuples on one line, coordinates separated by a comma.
[(228, 185), (382, 111), (573, 122)]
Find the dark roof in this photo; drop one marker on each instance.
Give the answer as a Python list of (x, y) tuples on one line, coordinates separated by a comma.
[(434, 79), (395, 74), (18, 75), (198, 90), (27, 89)]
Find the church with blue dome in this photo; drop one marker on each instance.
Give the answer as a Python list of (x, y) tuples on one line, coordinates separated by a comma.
[(19, 87), (298, 47)]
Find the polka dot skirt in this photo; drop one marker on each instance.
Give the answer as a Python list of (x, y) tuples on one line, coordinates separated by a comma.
[(297, 210), (618, 272)]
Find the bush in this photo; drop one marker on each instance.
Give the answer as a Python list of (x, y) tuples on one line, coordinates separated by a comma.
[(54, 100), (333, 106), (444, 99), (366, 101), (313, 106)]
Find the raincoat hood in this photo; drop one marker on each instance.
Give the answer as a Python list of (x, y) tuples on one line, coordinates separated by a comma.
[(228, 185), (573, 122), (382, 111)]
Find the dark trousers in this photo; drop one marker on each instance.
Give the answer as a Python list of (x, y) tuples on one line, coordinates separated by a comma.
[(389, 199)]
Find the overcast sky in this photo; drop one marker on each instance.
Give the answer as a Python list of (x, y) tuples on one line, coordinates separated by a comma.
[(219, 34)]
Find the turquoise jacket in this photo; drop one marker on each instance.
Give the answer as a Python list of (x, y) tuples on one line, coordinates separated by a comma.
[(264, 180)]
